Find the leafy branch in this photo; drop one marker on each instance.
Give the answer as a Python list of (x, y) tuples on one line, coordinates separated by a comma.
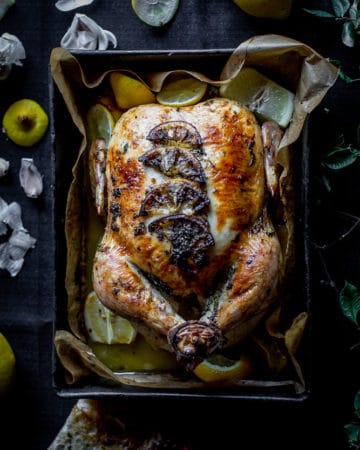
[(346, 11), (342, 75), (341, 155), (349, 299)]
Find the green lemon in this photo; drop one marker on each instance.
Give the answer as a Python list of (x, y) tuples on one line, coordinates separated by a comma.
[(267, 99), (99, 123), (220, 368), (182, 92), (155, 13), (104, 326), (267, 9), (7, 366), (25, 122)]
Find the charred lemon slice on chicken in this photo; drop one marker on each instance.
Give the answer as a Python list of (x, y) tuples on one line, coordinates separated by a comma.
[(220, 368)]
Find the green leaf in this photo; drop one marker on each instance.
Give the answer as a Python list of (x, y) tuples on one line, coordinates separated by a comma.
[(354, 12), (348, 34), (318, 12), (340, 157), (340, 7), (342, 75), (353, 432), (357, 404), (345, 77), (350, 301)]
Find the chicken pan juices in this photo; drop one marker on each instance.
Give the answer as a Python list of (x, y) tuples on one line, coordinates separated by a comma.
[(185, 243)]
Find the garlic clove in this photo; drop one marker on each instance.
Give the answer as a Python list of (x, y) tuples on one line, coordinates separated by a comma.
[(11, 216), (13, 266), (19, 243), (3, 226), (4, 167), (69, 5), (30, 178)]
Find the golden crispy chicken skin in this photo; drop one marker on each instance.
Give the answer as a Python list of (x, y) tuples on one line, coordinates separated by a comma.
[(189, 253)]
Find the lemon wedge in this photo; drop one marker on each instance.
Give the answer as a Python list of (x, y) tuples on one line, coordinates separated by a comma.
[(99, 123), (137, 356), (129, 92), (220, 368), (182, 92), (7, 366), (104, 326), (267, 99), (25, 122), (155, 13), (267, 9)]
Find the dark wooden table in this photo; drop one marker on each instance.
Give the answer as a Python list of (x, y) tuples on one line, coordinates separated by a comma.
[(27, 300)]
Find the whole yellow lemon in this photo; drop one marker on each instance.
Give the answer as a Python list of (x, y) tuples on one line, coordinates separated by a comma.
[(270, 9)]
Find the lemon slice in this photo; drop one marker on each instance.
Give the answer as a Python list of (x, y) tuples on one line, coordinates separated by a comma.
[(99, 123), (220, 368), (155, 12), (137, 356), (269, 9), (7, 366), (25, 122), (129, 92), (267, 99), (104, 326), (182, 92)]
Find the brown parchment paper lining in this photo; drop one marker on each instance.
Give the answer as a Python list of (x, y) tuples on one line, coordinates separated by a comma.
[(292, 64)]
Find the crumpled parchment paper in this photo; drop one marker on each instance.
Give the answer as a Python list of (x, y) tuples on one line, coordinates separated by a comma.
[(289, 62)]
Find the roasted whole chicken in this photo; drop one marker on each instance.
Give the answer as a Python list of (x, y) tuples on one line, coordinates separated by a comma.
[(189, 254)]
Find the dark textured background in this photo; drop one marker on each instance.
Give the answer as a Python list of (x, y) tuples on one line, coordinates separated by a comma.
[(27, 299)]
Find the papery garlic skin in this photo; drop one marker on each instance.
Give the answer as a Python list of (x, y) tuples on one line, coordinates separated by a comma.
[(69, 5), (11, 52), (12, 252), (30, 178), (4, 167), (85, 34)]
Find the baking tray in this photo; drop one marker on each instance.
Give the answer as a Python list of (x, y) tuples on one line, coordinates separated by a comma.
[(66, 141)]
